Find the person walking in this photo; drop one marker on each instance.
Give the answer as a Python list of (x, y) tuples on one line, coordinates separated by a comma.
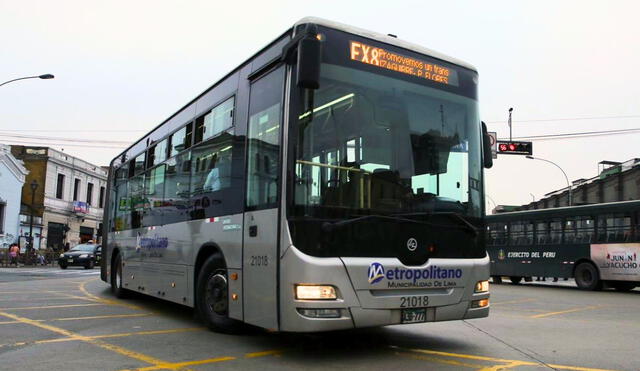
[(14, 251)]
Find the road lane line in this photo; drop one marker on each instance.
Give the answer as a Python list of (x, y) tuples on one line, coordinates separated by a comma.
[(102, 317), (99, 343), (505, 363), (173, 366), (105, 300), (124, 334), (450, 362), (55, 306), (263, 354), (565, 311)]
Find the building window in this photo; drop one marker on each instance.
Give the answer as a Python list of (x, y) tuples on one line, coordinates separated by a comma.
[(76, 189), (2, 207), (101, 198), (60, 187), (89, 193)]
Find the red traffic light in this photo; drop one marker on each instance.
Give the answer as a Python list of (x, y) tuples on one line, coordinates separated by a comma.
[(515, 148)]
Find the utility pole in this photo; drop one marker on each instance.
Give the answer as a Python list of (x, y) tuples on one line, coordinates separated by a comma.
[(510, 129)]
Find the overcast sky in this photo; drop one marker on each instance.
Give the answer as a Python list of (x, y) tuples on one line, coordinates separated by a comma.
[(122, 67)]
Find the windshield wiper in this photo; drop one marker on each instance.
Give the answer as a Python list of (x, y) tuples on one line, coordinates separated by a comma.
[(455, 216), (330, 227)]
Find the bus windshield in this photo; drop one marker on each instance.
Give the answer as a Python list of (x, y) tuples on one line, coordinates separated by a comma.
[(374, 144)]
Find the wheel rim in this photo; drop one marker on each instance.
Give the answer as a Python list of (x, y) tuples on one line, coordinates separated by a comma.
[(586, 276), (216, 294)]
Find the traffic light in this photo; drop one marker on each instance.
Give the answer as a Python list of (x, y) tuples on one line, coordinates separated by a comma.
[(506, 147)]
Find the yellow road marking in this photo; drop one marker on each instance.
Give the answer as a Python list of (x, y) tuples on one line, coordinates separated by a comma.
[(83, 318), (66, 295), (565, 311), (175, 366), (99, 343), (125, 334), (54, 306), (104, 300), (505, 363), (439, 360), (513, 301), (264, 353)]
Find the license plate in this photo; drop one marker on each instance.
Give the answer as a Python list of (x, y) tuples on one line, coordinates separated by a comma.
[(70, 260), (414, 315)]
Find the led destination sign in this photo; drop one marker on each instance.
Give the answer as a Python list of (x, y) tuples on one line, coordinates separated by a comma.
[(392, 61)]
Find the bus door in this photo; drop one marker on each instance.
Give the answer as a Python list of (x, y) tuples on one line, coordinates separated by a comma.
[(260, 246)]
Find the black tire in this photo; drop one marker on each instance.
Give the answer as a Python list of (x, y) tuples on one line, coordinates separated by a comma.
[(497, 280), (63, 266), (515, 279), (587, 277), (116, 279), (623, 286), (212, 296), (89, 265)]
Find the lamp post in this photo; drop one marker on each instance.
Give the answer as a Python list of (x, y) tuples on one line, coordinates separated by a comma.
[(46, 76), (34, 186), (556, 165)]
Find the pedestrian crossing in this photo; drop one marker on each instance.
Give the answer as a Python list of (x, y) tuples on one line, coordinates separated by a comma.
[(50, 271)]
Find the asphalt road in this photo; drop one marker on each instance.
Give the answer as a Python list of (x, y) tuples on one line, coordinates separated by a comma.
[(53, 322)]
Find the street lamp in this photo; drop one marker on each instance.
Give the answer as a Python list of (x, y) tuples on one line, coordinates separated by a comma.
[(34, 186), (46, 76), (565, 174)]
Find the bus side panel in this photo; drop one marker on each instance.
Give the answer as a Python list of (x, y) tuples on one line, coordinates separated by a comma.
[(617, 261)]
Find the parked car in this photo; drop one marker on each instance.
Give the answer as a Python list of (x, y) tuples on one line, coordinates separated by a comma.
[(85, 255)]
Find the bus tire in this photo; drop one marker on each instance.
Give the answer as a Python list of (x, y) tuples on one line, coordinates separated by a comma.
[(515, 279), (212, 296), (587, 277), (497, 280), (116, 278), (623, 286)]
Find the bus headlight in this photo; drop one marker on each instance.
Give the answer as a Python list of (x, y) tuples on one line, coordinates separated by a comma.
[(480, 303), (315, 292), (482, 286)]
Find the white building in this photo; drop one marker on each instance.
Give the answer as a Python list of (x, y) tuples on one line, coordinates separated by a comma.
[(12, 177), (71, 201)]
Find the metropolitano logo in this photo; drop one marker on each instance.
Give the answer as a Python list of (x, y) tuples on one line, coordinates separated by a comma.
[(376, 272)]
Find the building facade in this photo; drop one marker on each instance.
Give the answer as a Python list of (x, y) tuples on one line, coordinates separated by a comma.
[(69, 199), (12, 178), (616, 181)]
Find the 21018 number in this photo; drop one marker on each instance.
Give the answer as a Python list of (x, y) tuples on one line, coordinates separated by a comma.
[(414, 301)]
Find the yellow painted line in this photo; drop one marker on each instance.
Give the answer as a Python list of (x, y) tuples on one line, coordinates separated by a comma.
[(66, 295), (505, 363), (104, 300), (54, 306), (263, 354), (122, 335), (565, 311), (513, 301), (102, 317), (439, 360), (99, 343)]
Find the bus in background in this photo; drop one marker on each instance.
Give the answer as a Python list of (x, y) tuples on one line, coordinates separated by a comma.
[(598, 245), (334, 180)]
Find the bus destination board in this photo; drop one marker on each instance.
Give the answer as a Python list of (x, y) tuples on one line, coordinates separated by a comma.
[(382, 58)]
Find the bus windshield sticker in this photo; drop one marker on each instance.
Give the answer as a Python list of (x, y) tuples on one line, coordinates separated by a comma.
[(382, 58)]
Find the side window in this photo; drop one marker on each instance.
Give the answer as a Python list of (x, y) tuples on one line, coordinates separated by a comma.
[(211, 164), (542, 233), (498, 234), (121, 203), (136, 196), (570, 229), (157, 154), (585, 227), (219, 119), (180, 140), (153, 196), (176, 202), (555, 231), (264, 141)]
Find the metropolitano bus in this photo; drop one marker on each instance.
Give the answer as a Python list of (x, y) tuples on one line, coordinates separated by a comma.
[(334, 180)]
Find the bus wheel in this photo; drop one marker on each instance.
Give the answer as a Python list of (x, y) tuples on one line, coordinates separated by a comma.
[(623, 286), (587, 277), (212, 296), (116, 279), (515, 279), (497, 280)]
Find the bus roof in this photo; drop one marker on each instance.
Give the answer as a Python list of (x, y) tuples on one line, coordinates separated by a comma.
[(385, 39), (567, 210), (319, 21)]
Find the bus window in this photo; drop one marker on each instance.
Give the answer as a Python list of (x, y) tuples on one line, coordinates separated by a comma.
[(176, 189), (570, 230), (584, 229), (180, 140), (217, 120), (497, 233), (614, 227), (542, 233), (122, 204), (157, 154), (136, 195), (555, 231), (210, 173), (153, 195), (521, 233)]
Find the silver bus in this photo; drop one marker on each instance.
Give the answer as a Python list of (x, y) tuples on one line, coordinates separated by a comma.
[(334, 180)]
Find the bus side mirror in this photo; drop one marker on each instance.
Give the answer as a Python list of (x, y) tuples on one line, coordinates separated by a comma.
[(309, 59), (486, 148)]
